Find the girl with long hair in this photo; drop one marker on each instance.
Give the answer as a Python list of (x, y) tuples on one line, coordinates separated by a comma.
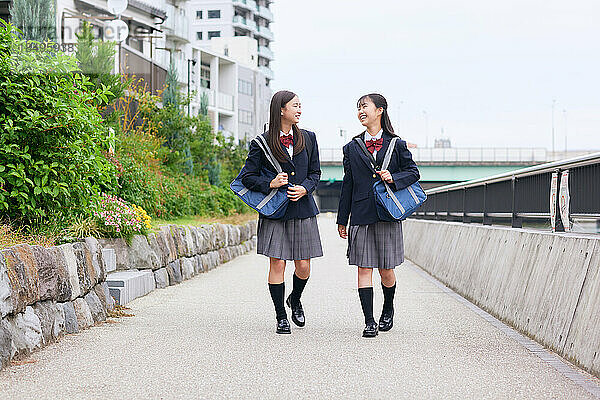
[(373, 243), (296, 235)]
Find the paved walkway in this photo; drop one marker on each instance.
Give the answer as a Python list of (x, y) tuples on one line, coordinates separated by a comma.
[(213, 337)]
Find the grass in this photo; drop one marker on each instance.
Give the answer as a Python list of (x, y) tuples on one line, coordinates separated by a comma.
[(10, 236), (235, 219)]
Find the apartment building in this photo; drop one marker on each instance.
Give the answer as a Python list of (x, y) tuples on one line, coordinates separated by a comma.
[(232, 18), (159, 32)]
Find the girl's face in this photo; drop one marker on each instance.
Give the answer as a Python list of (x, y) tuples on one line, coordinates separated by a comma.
[(291, 112), (368, 114)]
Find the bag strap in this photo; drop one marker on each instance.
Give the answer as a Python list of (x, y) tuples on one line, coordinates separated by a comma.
[(363, 147), (260, 140), (388, 154)]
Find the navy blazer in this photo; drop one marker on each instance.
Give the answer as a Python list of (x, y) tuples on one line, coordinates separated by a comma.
[(357, 199), (303, 169)]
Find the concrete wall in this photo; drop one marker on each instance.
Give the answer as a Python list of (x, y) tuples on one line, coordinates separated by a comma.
[(545, 285), (46, 293)]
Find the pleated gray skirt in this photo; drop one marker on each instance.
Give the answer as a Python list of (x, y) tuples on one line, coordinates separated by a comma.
[(378, 245), (294, 239)]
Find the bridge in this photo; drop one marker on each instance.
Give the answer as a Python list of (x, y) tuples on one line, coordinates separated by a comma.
[(438, 166)]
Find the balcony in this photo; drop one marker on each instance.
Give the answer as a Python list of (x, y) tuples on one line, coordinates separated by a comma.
[(249, 5), (244, 23), (176, 25), (265, 32), (267, 72), (225, 101), (222, 101), (265, 52), (265, 13), (210, 94)]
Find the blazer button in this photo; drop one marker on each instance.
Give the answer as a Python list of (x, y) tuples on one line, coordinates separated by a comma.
[(293, 173), (374, 175)]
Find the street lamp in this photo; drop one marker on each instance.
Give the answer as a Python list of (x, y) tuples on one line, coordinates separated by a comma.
[(193, 62)]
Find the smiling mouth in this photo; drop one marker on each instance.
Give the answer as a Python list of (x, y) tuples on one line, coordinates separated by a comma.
[(362, 117)]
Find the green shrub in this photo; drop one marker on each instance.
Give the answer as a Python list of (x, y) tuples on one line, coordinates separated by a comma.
[(53, 143)]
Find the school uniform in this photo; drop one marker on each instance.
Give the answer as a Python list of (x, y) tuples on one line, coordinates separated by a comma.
[(373, 243), (296, 235)]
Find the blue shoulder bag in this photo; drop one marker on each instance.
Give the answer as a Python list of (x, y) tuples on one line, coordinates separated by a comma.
[(393, 205), (272, 205)]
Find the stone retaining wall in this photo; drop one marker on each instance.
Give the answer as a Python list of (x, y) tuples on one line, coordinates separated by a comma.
[(545, 285), (46, 293)]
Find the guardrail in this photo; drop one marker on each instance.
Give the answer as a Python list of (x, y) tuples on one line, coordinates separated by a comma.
[(559, 192)]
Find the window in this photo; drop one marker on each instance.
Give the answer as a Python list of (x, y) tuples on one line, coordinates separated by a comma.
[(199, 14), (199, 35), (212, 34), (214, 14), (245, 87), (205, 76), (245, 117)]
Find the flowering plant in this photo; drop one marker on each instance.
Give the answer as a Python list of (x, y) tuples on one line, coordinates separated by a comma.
[(118, 218)]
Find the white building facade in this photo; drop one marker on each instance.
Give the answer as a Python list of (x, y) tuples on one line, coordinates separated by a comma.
[(233, 18)]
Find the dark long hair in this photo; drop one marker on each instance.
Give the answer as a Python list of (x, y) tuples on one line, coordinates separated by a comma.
[(380, 102), (279, 100)]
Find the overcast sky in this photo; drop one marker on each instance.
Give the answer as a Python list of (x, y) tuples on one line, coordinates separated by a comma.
[(484, 71)]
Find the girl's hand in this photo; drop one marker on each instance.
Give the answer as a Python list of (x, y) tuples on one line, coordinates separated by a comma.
[(296, 192), (342, 231), (386, 176), (279, 181)]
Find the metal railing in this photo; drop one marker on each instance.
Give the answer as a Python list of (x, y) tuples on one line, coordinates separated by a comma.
[(268, 72), (265, 52), (265, 13), (465, 155), (245, 23), (559, 192), (265, 32), (479, 155), (247, 4), (176, 23)]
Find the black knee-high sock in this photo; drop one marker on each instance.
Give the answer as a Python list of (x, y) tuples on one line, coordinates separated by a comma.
[(366, 300), (299, 285), (277, 294), (388, 298)]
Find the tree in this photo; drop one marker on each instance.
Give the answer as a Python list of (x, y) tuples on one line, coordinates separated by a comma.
[(176, 124), (35, 18), (96, 60)]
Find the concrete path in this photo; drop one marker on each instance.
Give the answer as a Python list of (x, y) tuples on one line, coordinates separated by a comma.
[(213, 337)]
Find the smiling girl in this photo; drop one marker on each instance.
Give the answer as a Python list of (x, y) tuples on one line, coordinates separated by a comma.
[(296, 235), (373, 243)]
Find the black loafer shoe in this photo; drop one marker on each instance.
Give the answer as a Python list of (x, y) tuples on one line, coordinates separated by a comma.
[(283, 326), (297, 312), (370, 329), (386, 322)]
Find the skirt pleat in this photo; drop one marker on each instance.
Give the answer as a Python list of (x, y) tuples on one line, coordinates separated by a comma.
[(294, 239), (378, 245)]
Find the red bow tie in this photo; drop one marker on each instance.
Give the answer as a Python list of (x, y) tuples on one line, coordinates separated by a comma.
[(374, 145), (287, 140)]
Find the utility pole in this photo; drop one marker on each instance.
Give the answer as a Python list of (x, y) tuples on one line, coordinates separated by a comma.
[(399, 114), (566, 131), (553, 148), (193, 61), (426, 128)]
